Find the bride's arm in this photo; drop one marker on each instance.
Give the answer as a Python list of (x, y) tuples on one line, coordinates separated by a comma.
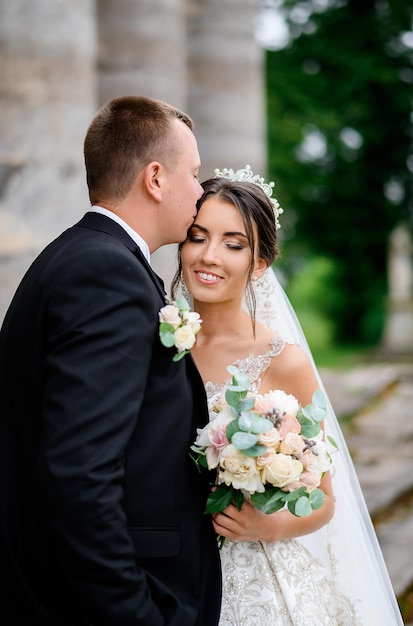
[(250, 524), (293, 373)]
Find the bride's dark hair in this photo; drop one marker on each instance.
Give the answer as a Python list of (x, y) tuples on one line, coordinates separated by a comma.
[(256, 211)]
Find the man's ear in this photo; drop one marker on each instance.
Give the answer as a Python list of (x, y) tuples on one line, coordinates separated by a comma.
[(152, 178), (260, 267)]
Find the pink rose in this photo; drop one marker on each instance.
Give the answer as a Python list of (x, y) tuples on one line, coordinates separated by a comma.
[(289, 424), (170, 315), (311, 479), (292, 444)]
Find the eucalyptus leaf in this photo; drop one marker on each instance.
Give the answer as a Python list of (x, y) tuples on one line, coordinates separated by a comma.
[(261, 425), (243, 441), (255, 450), (165, 327), (234, 395), (317, 498), (238, 378), (301, 507), (319, 399), (245, 421), (182, 304), (167, 339), (231, 429), (318, 413), (247, 404), (333, 443), (294, 495), (309, 430), (270, 501)]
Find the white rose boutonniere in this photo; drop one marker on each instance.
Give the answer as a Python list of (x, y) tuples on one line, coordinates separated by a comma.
[(178, 327)]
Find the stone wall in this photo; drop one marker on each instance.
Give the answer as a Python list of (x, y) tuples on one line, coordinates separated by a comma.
[(61, 59)]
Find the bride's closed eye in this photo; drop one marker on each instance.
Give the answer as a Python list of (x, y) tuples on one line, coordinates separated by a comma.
[(196, 238), (235, 246)]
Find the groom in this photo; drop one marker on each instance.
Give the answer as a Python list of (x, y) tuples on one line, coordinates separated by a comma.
[(101, 507)]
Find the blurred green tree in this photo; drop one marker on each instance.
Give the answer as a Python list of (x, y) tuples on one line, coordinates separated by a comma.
[(339, 98)]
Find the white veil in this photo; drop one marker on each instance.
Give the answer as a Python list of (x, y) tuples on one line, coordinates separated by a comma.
[(348, 545)]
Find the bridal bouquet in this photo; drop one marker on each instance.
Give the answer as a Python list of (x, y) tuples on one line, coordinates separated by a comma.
[(264, 447)]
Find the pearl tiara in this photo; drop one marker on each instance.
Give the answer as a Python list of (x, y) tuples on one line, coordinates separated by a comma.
[(246, 175)]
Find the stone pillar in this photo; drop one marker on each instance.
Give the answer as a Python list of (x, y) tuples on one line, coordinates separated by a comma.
[(226, 84), (142, 51), (398, 335), (47, 96)]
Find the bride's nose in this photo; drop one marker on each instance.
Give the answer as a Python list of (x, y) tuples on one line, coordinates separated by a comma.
[(210, 254)]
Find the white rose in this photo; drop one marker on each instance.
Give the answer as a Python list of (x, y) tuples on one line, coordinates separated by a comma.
[(170, 315), (184, 338), (193, 320), (286, 403), (321, 453)]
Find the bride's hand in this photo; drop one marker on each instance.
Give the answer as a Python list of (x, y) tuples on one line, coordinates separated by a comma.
[(249, 524)]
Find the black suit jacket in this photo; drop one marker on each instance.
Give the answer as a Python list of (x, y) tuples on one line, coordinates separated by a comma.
[(101, 507)]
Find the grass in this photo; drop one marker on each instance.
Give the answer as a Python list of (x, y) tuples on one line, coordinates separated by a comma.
[(318, 332)]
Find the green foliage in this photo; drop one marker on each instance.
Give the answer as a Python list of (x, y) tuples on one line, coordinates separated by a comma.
[(348, 76)]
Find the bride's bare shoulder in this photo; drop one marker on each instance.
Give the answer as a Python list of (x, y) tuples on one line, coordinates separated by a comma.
[(290, 370)]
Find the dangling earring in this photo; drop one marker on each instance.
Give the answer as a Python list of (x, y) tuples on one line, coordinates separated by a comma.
[(184, 288)]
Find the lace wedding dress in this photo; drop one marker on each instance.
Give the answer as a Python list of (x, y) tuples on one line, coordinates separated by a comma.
[(283, 583), (335, 576)]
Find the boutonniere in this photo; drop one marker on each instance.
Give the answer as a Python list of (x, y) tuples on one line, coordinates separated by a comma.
[(178, 326)]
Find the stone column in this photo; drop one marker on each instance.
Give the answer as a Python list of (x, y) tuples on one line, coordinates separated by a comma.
[(47, 96), (142, 51), (226, 84), (398, 335)]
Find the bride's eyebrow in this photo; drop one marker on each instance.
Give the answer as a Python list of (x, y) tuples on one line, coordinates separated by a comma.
[(230, 233)]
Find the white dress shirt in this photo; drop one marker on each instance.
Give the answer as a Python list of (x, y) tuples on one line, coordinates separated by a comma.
[(141, 243)]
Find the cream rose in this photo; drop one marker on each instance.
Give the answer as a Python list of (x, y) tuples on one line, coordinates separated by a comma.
[(184, 338), (262, 404), (266, 457), (239, 470), (281, 470), (269, 438)]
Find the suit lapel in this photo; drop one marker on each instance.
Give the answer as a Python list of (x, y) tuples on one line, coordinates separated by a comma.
[(96, 221)]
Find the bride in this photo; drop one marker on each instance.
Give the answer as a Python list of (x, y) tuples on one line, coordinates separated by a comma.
[(277, 569)]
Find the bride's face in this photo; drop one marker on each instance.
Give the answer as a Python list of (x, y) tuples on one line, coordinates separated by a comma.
[(216, 255)]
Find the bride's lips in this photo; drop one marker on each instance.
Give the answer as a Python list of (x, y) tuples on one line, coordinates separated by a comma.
[(207, 278)]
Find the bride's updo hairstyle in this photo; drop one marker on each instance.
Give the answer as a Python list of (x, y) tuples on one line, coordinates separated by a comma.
[(257, 212)]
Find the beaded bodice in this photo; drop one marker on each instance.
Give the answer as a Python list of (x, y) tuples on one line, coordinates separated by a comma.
[(252, 366)]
